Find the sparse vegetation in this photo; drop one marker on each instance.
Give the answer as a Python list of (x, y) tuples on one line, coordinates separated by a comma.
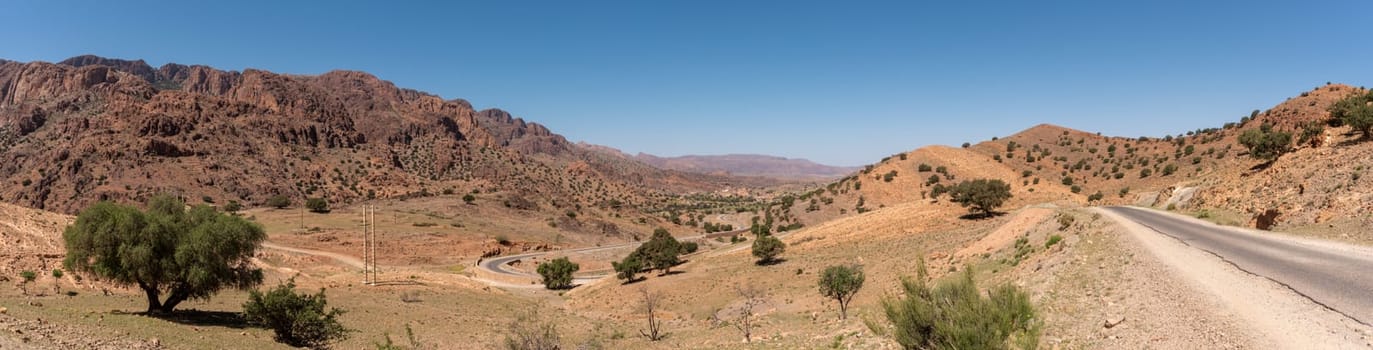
[(650, 301), (557, 273), (167, 249), (468, 198), (527, 332), (297, 319), (840, 283), (955, 315), (1053, 239), (752, 297)]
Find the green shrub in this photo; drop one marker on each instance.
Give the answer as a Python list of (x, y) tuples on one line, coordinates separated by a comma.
[(1356, 112), (317, 205), (528, 332), (1053, 239), (956, 315), (628, 268), (1065, 221), (232, 207), (468, 198), (766, 248), (557, 273), (1264, 143), (279, 202), (924, 168), (1096, 197), (28, 276), (297, 319)]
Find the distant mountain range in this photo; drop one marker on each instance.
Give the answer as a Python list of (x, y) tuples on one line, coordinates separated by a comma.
[(752, 165)]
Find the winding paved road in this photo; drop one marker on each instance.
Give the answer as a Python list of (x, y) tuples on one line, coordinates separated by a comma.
[(500, 264), (1336, 275)]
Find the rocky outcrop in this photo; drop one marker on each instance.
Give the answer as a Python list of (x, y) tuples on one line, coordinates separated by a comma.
[(92, 128)]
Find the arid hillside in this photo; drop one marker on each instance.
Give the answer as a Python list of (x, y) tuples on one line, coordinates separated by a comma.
[(1315, 183), (92, 128)]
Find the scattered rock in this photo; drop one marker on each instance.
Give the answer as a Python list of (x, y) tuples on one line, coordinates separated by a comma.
[(1114, 321)]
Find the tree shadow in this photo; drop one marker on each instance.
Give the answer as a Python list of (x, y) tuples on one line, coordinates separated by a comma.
[(1262, 166), (636, 279), (670, 273), (980, 216), (770, 262), (1352, 141), (397, 283), (200, 318)]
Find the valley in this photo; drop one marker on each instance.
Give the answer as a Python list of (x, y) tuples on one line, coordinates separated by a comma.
[(473, 204)]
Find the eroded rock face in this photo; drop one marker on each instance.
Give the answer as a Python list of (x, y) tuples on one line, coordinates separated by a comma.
[(136, 130), (93, 128)]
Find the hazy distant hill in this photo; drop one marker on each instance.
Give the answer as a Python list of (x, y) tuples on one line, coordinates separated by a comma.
[(747, 165)]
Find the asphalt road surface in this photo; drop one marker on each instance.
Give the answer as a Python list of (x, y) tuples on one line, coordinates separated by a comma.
[(1338, 276)]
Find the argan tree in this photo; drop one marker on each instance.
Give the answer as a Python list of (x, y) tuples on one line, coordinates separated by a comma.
[(317, 205), (557, 273), (841, 283), (981, 195), (661, 251), (628, 269), (767, 248), (1264, 143), (1356, 112), (28, 277), (165, 250)]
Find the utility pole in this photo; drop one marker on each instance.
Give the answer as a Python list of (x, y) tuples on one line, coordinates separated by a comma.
[(369, 245)]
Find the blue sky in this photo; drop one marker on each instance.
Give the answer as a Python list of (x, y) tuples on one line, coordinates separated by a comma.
[(839, 82)]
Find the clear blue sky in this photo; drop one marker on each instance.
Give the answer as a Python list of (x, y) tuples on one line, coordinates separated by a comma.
[(839, 82)]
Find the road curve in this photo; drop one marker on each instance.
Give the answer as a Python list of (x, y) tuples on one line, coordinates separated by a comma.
[(500, 264), (342, 259), (1336, 275)]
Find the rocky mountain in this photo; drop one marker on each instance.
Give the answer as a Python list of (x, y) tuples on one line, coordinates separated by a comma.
[(91, 128)]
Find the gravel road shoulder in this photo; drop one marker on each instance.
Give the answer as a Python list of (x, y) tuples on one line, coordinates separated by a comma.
[(1251, 311)]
